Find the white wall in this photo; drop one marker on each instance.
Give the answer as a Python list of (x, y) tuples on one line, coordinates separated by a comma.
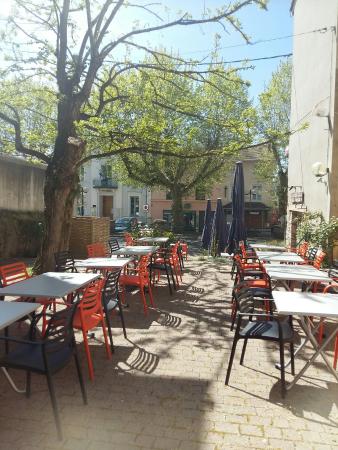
[(313, 95)]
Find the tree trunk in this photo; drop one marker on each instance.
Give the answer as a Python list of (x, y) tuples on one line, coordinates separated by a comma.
[(60, 191), (177, 211), (283, 193)]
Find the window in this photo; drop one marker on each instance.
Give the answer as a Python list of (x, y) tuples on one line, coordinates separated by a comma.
[(82, 174), (106, 171), (134, 206), (168, 195), (200, 194), (256, 193)]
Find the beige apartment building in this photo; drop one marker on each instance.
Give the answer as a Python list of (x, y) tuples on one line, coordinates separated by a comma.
[(313, 151), (259, 204)]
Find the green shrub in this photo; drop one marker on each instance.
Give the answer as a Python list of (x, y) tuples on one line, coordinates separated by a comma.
[(313, 228)]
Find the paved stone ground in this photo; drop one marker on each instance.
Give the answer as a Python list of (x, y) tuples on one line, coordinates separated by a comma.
[(164, 387)]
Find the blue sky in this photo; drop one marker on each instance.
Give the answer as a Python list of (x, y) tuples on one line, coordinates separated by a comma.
[(197, 42)]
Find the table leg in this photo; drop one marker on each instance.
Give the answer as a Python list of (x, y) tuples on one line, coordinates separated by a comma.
[(300, 347), (319, 351)]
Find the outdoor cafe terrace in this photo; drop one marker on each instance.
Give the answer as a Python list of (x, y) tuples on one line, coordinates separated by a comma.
[(164, 386)]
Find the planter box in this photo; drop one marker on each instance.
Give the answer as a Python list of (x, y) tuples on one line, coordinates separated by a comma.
[(87, 230)]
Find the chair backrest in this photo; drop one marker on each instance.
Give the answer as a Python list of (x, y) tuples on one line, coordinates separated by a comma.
[(110, 290), (312, 252), (90, 302), (302, 249), (96, 250), (242, 249), (142, 266), (13, 273), (319, 259), (184, 247), (113, 245), (128, 239), (64, 261), (245, 301), (59, 333)]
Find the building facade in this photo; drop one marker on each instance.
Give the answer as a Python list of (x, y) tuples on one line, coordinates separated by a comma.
[(259, 204), (313, 151), (101, 195)]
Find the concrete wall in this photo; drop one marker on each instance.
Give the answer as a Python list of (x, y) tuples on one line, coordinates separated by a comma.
[(21, 184), (313, 99)]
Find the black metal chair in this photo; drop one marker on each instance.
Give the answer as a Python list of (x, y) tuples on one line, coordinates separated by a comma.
[(111, 301), (113, 245), (264, 327), (64, 262), (47, 355), (261, 293), (161, 261)]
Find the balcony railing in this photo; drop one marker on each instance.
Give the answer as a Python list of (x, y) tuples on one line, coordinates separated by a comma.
[(106, 183)]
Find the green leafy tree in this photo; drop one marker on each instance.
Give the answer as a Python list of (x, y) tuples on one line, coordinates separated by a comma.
[(274, 125), (213, 120), (71, 59)]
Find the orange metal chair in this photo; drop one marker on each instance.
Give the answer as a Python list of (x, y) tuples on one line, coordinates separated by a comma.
[(89, 315), (97, 250), (302, 249), (128, 239), (138, 276), (13, 273), (184, 250)]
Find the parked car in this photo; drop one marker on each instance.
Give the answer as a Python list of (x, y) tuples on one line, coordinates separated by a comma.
[(125, 224)]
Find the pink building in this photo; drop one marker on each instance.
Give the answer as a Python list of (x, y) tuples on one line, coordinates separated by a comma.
[(258, 200)]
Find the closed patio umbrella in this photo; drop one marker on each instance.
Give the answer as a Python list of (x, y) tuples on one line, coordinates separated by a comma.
[(218, 231), (237, 229), (206, 234)]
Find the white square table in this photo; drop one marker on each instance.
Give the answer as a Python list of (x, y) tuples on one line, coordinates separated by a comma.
[(136, 250), (258, 246), (50, 285), (304, 305), (154, 240), (10, 312), (103, 263), (283, 273), (278, 256)]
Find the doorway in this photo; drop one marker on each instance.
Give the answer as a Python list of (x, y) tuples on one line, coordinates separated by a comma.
[(107, 205)]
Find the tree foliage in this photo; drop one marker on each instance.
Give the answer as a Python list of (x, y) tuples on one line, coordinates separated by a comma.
[(274, 125), (179, 117)]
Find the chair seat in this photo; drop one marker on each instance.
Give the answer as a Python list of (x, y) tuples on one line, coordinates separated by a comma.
[(266, 329), (29, 357), (91, 321)]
